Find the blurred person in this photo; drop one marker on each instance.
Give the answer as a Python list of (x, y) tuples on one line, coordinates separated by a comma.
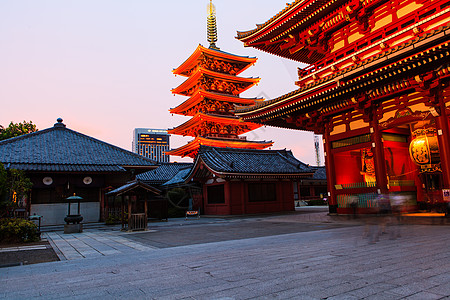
[(353, 203), (375, 225), (384, 211), (446, 196), (397, 204), (372, 229)]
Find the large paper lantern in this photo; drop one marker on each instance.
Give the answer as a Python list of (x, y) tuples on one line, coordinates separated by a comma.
[(424, 148)]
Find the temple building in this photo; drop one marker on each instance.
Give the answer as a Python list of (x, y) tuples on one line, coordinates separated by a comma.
[(230, 174), (246, 181), (213, 87), (376, 86), (60, 162)]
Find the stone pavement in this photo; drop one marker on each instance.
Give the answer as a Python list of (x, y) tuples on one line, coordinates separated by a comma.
[(329, 263), (92, 243), (101, 240)]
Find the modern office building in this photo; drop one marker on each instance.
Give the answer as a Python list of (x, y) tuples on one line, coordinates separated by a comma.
[(151, 143)]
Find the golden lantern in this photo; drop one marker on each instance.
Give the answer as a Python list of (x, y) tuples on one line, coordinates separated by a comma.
[(424, 148)]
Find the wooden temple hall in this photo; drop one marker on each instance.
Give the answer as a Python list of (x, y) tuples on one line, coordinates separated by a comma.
[(375, 85)]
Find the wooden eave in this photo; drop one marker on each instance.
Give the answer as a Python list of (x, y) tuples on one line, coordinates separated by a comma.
[(377, 46), (207, 169), (131, 186), (201, 72), (129, 167), (361, 83), (200, 118), (297, 100), (201, 51), (202, 94), (191, 148), (262, 30), (290, 18)]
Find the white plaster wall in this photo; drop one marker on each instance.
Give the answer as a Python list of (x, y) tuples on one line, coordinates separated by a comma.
[(54, 214)]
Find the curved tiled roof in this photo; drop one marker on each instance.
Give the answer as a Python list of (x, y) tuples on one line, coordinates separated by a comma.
[(61, 149), (163, 173), (179, 178), (243, 34), (330, 78), (320, 173), (249, 161), (133, 185)]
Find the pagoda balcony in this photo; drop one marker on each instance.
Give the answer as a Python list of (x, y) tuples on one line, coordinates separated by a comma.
[(214, 82), (201, 53), (227, 137)]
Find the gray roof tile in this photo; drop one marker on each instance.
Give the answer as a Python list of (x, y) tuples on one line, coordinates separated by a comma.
[(163, 173), (132, 185), (249, 161), (61, 149), (179, 178), (320, 173)]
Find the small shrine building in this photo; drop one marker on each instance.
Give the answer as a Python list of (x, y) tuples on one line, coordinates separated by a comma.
[(376, 86), (246, 181)]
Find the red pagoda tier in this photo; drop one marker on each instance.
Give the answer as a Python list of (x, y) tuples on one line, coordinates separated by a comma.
[(213, 88), (377, 86)]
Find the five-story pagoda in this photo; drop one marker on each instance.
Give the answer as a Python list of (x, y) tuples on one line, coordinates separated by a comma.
[(213, 88)]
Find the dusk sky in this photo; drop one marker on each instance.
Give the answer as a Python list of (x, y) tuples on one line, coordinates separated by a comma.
[(104, 66)]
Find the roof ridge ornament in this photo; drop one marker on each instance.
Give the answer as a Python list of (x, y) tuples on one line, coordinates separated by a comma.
[(212, 26), (59, 123)]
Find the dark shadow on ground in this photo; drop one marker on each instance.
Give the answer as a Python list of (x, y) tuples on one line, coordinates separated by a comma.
[(190, 234), (26, 257)]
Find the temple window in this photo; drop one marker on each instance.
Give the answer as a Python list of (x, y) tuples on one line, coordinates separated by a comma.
[(216, 194), (261, 192)]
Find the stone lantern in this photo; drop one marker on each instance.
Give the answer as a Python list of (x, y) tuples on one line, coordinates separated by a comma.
[(73, 224)]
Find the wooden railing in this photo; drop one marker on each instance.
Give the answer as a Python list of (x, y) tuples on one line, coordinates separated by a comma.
[(401, 183), (368, 200), (356, 185), (113, 212), (137, 222)]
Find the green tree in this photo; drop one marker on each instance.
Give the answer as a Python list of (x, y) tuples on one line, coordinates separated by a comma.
[(14, 187), (19, 185), (16, 129), (5, 204), (3, 183)]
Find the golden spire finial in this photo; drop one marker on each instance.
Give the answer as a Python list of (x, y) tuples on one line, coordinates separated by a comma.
[(212, 26)]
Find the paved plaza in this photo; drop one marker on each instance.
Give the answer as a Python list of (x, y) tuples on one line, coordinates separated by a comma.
[(324, 258), (92, 243)]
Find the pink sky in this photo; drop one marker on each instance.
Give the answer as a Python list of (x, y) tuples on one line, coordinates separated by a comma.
[(104, 66)]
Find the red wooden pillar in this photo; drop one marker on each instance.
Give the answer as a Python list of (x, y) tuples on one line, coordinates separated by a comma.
[(122, 212), (443, 133), (227, 192), (146, 211), (130, 198), (312, 191), (330, 170), (378, 153), (103, 205), (279, 190), (289, 203), (244, 197)]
